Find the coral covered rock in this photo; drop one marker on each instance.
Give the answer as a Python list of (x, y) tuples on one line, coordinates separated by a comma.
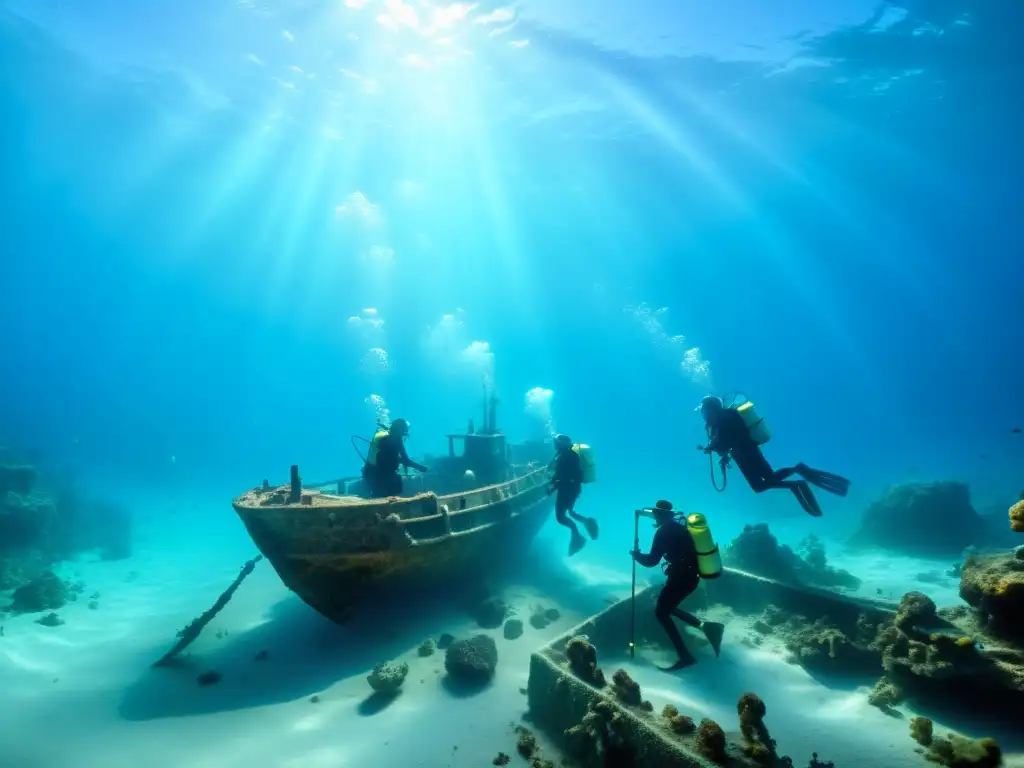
[(931, 519), (759, 745), (583, 661), (473, 660), (627, 690), (921, 729), (491, 613), (44, 593), (915, 610), (513, 629), (994, 585), (387, 678), (757, 551), (819, 645), (710, 741), (1016, 515), (959, 752), (680, 724), (427, 648)]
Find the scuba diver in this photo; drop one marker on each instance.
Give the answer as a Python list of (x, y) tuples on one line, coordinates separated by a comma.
[(567, 481), (386, 454), (737, 433), (674, 543)]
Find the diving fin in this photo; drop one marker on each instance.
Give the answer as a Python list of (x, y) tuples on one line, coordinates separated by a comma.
[(824, 480), (803, 494), (591, 525), (714, 631), (577, 543)]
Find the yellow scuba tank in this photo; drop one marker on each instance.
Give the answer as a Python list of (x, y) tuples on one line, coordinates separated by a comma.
[(709, 560), (587, 463), (371, 454), (756, 427)]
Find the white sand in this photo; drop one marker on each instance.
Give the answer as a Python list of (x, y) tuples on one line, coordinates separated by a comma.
[(83, 695)]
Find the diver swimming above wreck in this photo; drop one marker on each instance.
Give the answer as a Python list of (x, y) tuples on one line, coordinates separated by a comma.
[(736, 433)]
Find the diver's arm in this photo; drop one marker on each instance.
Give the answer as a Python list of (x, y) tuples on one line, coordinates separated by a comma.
[(657, 552), (404, 460)]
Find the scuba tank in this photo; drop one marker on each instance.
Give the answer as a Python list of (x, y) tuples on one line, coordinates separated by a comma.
[(709, 559), (587, 463)]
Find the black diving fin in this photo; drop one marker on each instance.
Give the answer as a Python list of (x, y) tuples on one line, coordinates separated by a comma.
[(824, 480)]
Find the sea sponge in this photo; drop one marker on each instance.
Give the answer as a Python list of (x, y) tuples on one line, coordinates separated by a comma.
[(472, 660), (583, 661), (1016, 515), (387, 678), (627, 690), (960, 752), (711, 741), (921, 730)]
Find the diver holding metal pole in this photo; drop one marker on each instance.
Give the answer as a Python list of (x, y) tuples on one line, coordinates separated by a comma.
[(632, 606), (690, 554)]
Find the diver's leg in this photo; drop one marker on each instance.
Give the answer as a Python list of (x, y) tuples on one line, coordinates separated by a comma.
[(588, 522), (824, 480), (563, 503), (671, 595)]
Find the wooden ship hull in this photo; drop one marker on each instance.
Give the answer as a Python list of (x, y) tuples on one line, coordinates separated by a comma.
[(334, 549)]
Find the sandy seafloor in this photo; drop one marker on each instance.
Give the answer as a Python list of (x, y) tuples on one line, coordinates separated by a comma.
[(83, 695)]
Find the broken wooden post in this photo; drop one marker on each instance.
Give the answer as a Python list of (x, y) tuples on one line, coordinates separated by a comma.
[(296, 493)]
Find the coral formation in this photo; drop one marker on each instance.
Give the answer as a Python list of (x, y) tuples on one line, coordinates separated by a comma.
[(1016, 514), (899, 519), (427, 648), (387, 678), (501, 759), (627, 690), (756, 550), (679, 724), (527, 743), (491, 613), (46, 592), (885, 695), (513, 629), (542, 617), (473, 660), (50, 620), (959, 752), (711, 741), (601, 738), (921, 730), (820, 645), (583, 661), (994, 585)]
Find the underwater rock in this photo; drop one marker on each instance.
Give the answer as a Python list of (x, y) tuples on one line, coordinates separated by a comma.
[(526, 745), (513, 629), (930, 519), (601, 738), (711, 741), (473, 660), (50, 620), (959, 752), (915, 610), (387, 677), (542, 617), (1016, 515), (819, 645), (501, 759), (583, 661), (759, 745), (816, 763), (756, 550), (994, 585), (679, 724), (444, 641), (44, 593), (921, 730), (885, 695), (491, 613), (627, 690), (209, 678), (427, 648)]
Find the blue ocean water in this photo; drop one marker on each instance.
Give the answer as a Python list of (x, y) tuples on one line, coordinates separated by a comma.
[(235, 232)]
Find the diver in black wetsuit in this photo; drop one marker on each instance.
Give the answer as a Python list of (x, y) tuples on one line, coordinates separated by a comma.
[(673, 542), (729, 437), (567, 482), (387, 452)]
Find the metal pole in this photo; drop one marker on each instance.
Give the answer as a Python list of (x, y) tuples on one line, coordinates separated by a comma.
[(636, 548)]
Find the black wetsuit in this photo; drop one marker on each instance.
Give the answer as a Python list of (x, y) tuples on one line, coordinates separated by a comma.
[(673, 542), (382, 478), (567, 483), (730, 438)]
